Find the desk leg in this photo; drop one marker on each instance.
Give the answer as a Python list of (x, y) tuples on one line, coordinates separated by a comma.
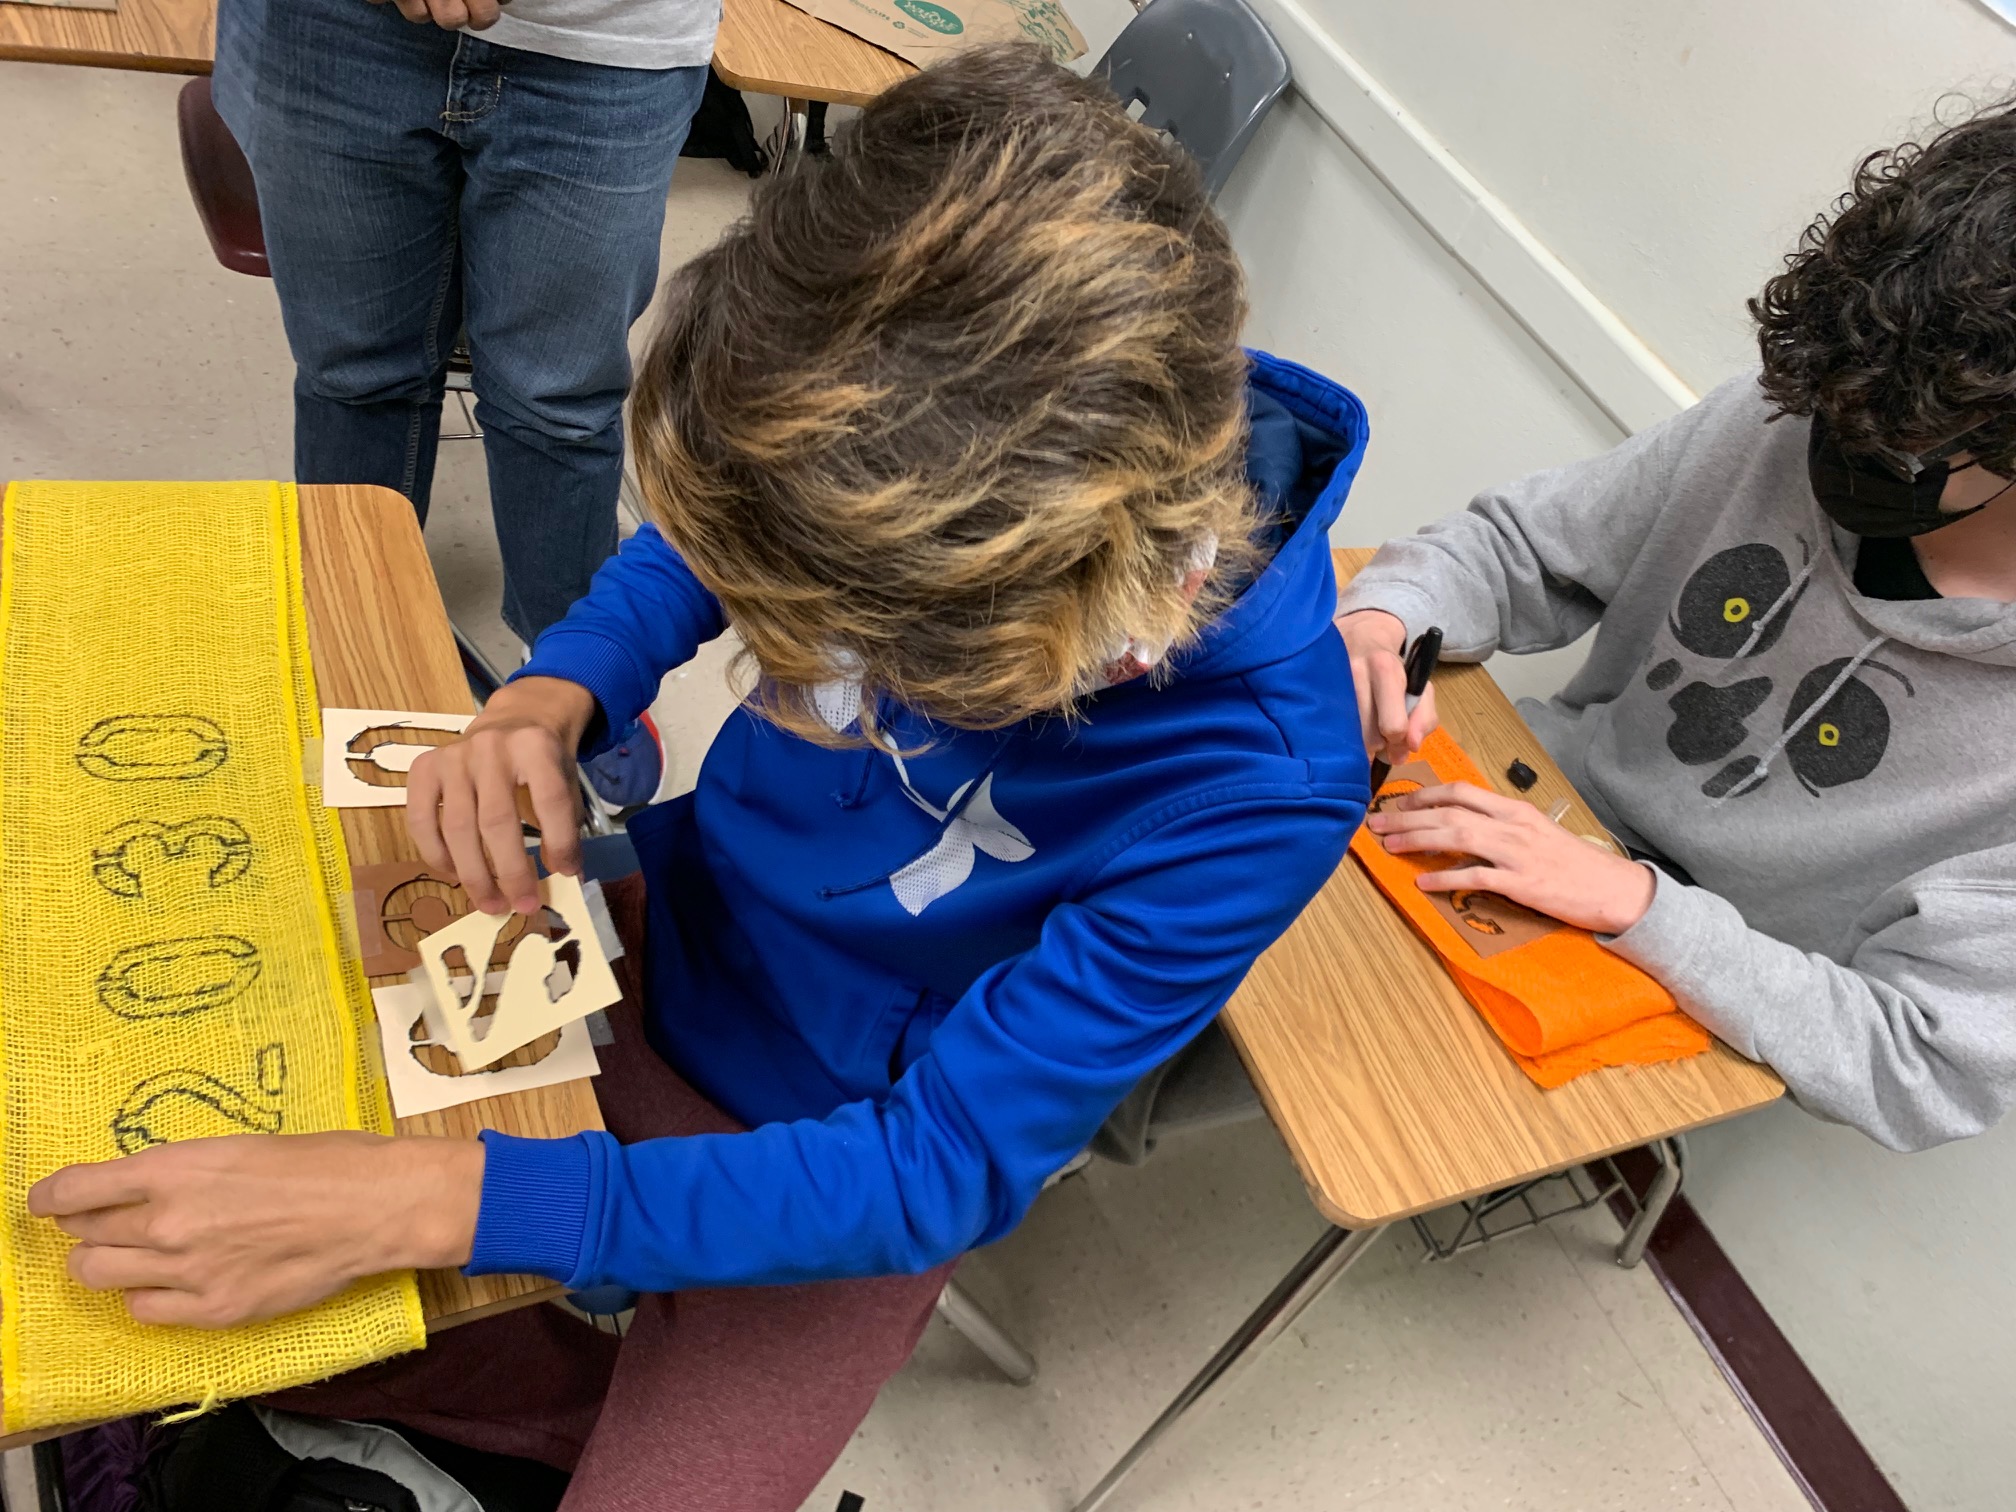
[(1672, 1157), (1328, 1258), (973, 1325), (787, 142)]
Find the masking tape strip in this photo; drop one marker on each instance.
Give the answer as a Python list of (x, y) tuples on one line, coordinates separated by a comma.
[(351, 938), (605, 926)]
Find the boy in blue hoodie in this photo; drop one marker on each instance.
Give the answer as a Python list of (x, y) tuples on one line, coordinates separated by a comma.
[(1048, 738)]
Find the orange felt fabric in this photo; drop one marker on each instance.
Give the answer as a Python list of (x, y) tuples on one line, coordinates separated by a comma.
[(1561, 1003)]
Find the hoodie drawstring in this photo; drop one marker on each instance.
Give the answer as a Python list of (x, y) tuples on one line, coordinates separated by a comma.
[(1797, 720)]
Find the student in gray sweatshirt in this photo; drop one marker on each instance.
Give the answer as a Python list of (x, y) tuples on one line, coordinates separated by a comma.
[(1799, 710)]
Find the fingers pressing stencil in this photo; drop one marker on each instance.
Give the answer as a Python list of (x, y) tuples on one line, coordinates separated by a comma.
[(1560, 1002), (366, 753)]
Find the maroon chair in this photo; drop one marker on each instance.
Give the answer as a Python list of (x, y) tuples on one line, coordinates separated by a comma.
[(220, 181)]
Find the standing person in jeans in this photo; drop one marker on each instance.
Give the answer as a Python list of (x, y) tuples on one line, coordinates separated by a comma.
[(415, 180)]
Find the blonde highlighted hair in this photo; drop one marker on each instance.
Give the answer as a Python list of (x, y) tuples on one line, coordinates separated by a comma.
[(953, 411)]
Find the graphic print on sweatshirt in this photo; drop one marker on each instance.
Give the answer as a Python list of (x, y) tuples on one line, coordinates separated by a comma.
[(1835, 726), (972, 829)]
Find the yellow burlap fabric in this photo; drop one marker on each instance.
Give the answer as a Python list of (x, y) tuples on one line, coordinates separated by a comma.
[(170, 959)]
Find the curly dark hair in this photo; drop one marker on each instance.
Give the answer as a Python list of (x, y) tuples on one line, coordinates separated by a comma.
[(1895, 318)]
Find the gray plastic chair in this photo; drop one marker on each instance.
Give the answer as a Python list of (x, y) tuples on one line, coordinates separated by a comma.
[(1202, 1086), (1206, 71)]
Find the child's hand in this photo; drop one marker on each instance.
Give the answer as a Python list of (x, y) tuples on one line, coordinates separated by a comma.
[(1507, 846), (462, 799), (1377, 641)]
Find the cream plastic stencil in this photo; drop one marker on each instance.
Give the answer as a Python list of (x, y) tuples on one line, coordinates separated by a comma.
[(417, 1086), (547, 984), (366, 753)]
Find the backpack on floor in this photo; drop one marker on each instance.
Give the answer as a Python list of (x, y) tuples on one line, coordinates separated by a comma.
[(247, 1458), (722, 129)]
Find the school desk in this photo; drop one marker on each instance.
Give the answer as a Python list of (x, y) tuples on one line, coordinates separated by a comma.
[(379, 638), (1393, 1096), (160, 36), (770, 47), (764, 46)]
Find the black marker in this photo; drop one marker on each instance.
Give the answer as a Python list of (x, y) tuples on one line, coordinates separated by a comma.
[(1421, 659)]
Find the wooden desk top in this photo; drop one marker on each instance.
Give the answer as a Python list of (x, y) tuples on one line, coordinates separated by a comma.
[(161, 36), (769, 47), (765, 46), (1393, 1095), (381, 640)]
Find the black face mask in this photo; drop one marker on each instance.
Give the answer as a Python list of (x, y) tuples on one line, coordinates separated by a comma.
[(1864, 497)]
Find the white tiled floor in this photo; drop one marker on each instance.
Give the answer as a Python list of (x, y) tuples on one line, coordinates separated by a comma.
[(1535, 1376)]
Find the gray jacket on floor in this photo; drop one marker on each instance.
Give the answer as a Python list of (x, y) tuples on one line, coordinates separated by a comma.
[(1837, 773)]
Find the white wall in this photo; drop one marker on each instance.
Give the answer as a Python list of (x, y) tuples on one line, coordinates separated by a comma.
[(1667, 154)]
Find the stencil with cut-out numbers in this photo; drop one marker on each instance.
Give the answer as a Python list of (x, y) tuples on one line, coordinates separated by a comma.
[(424, 1075), (1485, 921), (367, 753), (551, 980), (400, 903)]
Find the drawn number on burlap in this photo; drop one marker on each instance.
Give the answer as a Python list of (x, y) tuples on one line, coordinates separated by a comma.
[(144, 853), (152, 748), (187, 1104), (175, 978)]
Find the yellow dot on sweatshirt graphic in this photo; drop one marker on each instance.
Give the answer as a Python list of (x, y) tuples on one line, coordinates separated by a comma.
[(1735, 610), (1830, 735)]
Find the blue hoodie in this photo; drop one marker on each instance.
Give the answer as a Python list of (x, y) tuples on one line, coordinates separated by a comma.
[(923, 983)]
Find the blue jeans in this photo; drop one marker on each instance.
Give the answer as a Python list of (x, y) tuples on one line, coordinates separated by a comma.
[(414, 181)]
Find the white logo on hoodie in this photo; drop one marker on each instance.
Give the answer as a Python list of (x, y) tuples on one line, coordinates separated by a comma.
[(949, 862)]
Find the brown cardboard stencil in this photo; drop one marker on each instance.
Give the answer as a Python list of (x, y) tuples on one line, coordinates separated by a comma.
[(923, 31), (1489, 923), (400, 903), (1408, 777), (1485, 921)]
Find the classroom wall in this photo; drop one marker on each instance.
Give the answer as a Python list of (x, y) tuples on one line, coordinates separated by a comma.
[(1667, 155)]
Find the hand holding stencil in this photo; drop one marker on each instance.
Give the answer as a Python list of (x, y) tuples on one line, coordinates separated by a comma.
[(367, 753)]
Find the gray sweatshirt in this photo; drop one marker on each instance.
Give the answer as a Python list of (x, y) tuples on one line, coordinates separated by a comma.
[(1834, 771)]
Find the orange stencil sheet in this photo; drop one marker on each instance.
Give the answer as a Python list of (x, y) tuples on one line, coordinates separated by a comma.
[(1561, 1003)]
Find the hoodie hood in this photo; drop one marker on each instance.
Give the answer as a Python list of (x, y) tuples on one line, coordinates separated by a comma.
[(1981, 630), (1307, 441)]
